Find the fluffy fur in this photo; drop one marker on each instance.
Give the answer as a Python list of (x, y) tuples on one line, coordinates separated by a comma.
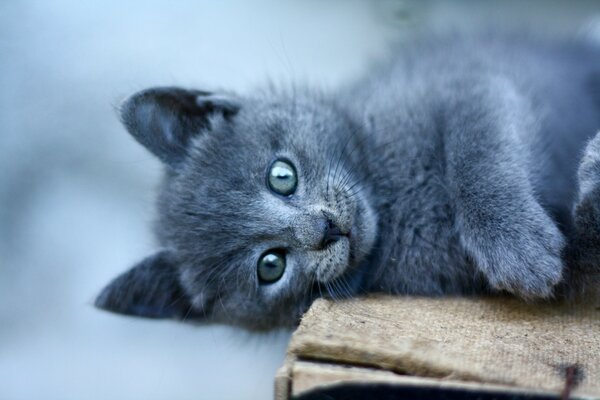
[(451, 168)]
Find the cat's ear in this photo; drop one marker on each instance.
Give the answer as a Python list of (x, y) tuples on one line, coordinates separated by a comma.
[(150, 289), (164, 119)]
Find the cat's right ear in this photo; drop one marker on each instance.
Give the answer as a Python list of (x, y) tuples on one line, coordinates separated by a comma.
[(164, 119), (150, 289)]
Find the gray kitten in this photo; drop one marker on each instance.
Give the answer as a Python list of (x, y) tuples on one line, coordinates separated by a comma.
[(450, 169)]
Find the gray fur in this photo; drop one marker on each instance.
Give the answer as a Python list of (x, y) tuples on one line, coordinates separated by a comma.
[(452, 167)]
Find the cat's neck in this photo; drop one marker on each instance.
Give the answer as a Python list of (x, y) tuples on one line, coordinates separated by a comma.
[(405, 173)]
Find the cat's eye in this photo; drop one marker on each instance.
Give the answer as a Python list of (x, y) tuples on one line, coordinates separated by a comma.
[(271, 266), (282, 178)]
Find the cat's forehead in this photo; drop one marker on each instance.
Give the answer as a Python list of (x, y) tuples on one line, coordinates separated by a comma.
[(261, 132), (288, 118)]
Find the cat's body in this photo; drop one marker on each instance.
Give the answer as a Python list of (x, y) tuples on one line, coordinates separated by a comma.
[(511, 106), (450, 169)]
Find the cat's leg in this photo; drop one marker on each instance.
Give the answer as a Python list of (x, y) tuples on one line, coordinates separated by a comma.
[(510, 237), (589, 170), (583, 252)]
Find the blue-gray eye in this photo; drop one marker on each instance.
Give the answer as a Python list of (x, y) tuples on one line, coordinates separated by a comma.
[(283, 178), (271, 266)]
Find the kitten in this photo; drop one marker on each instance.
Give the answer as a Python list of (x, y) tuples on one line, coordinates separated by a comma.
[(449, 169)]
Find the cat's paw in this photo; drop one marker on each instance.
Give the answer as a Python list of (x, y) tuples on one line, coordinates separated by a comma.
[(589, 169), (584, 249), (527, 262)]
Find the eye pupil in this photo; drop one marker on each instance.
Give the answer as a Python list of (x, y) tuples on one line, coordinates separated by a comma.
[(271, 266), (282, 178)]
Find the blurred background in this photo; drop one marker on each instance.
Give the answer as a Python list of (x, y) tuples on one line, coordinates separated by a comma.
[(76, 192)]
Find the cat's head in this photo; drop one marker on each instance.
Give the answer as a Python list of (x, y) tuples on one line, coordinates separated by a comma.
[(262, 210)]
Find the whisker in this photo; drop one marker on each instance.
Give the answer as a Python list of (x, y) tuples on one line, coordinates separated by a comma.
[(340, 159), (331, 292), (330, 164), (336, 284), (356, 164), (189, 311), (357, 145)]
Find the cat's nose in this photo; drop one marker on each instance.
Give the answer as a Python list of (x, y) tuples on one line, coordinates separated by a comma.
[(331, 233), (315, 232)]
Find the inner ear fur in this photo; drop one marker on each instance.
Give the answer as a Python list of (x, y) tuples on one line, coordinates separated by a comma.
[(164, 119)]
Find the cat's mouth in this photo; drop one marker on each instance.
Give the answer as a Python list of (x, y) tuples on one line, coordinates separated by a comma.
[(332, 238), (334, 259)]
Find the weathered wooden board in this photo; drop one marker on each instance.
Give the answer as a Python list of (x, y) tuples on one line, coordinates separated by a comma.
[(309, 375), (487, 342)]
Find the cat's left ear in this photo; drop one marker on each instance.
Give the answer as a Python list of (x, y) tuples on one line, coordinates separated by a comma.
[(150, 289), (164, 119)]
